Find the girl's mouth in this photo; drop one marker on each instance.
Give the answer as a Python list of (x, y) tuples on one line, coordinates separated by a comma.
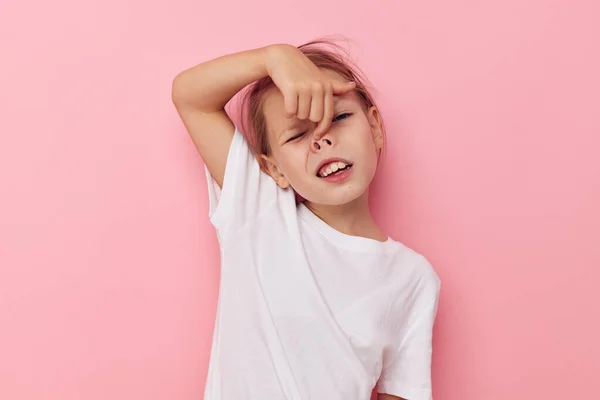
[(333, 168), (341, 174)]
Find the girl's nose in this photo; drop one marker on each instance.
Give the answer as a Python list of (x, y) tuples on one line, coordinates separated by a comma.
[(317, 144)]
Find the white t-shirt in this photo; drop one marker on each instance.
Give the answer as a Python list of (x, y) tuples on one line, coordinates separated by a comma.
[(305, 311)]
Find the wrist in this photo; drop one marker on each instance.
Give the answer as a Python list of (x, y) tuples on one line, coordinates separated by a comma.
[(272, 53)]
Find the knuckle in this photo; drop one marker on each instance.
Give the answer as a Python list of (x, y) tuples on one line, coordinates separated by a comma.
[(302, 87), (290, 86)]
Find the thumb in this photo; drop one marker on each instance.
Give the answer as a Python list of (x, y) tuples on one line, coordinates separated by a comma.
[(340, 87)]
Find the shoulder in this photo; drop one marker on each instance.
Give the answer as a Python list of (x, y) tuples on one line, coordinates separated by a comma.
[(427, 274), (410, 261), (414, 275)]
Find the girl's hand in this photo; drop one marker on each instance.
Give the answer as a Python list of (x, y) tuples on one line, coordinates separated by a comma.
[(307, 91)]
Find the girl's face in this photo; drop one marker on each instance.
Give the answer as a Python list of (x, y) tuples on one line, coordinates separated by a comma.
[(337, 168)]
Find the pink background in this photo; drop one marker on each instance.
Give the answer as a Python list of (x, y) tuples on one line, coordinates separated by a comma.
[(109, 267)]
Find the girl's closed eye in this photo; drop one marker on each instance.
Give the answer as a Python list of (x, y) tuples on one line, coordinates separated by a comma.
[(295, 137)]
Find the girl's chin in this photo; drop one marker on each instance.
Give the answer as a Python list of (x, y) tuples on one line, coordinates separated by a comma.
[(338, 197)]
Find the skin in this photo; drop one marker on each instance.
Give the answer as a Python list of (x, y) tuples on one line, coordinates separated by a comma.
[(355, 134)]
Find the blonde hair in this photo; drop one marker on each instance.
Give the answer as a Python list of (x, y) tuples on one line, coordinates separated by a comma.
[(322, 52)]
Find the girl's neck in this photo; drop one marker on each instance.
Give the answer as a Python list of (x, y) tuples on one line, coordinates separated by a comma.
[(353, 218)]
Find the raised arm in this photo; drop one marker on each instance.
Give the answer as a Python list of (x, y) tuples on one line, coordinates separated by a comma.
[(200, 94)]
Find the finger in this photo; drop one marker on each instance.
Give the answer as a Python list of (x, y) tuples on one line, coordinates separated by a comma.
[(327, 113), (304, 100), (291, 103), (316, 104), (340, 87)]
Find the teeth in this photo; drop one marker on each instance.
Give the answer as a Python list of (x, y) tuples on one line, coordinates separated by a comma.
[(333, 167)]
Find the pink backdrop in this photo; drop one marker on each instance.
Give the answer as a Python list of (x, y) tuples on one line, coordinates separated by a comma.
[(109, 267)]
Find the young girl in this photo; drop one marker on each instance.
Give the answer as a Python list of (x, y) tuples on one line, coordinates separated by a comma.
[(316, 302)]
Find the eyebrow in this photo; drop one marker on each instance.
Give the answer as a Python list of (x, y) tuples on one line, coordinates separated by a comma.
[(336, 99)]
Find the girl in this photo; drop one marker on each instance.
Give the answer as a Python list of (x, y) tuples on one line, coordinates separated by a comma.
[(316, 301)]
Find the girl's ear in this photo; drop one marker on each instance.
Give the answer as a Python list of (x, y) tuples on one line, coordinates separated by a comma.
[(273, 170), (375, 122)]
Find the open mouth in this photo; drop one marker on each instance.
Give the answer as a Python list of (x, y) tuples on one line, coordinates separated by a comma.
[(333, 169)]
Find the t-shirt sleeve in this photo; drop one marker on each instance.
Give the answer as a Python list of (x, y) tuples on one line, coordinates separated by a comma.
[(406, 368), (246, 192)]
